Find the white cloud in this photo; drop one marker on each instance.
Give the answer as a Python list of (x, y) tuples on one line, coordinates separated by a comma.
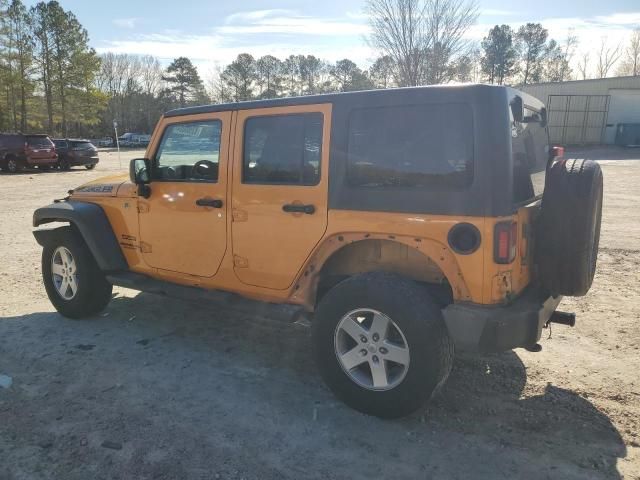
[(283, 32), (497, 12), (125, 22)]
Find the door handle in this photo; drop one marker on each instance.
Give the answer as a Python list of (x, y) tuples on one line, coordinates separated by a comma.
[(293, 208), (209, 202)]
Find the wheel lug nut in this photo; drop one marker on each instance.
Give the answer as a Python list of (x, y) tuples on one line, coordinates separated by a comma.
[(376, 337), (375, 359), (363, 352), (383, 350), (363, 339)]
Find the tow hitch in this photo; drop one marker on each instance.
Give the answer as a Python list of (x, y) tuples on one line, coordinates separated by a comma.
[(563, 318)]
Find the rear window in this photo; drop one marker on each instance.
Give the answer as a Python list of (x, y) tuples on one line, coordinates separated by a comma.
[(530, 150), (43, 142), (411, 146), (81, 145)]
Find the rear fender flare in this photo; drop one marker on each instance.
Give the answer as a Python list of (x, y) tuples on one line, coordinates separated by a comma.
[(93, 225)]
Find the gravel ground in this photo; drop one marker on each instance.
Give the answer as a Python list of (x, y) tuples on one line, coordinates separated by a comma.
[(156, 388)]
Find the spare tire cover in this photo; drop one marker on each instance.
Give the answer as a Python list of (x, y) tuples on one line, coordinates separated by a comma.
[(568, 229)]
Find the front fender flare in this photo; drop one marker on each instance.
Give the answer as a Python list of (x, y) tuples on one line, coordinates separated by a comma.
[(93, 225)]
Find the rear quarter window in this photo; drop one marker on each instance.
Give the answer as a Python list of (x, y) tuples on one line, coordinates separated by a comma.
[(530, 152), (81, 145), (411, 146)]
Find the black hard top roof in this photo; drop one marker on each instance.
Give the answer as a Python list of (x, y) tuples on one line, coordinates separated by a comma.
[(336, 97)]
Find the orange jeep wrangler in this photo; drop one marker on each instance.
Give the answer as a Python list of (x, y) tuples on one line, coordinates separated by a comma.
[(408, 221)]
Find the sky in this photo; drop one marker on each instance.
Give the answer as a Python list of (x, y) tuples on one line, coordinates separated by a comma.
[(212, 32)]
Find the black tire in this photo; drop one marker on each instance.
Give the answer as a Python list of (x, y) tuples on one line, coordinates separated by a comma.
[(419, 318), (44, 168), (91, 166), (13, 165), (93, 291), (568, 232), (64, 165)]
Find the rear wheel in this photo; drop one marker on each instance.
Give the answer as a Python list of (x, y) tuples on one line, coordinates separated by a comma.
[(381, 344), (90, 166), (13, 165), (74, 283), (64, 164)]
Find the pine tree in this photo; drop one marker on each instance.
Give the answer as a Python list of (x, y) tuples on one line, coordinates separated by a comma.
[(184, 81)]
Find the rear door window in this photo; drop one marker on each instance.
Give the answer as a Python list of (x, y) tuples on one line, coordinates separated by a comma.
[(283, 149), (412, 146)]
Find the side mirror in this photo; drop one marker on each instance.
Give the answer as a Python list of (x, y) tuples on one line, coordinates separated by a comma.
[(517, 108), (139, 169)]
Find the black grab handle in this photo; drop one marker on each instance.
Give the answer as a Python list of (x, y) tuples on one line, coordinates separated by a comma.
[(209, 202), (292, 208)]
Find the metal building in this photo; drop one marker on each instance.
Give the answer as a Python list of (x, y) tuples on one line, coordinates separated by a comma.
[(584, 112)]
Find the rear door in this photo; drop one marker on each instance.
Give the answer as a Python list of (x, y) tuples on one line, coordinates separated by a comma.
[(280, 185)]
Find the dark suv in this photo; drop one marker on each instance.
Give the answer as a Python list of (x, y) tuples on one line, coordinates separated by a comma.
[(18, 151), (72, 152)]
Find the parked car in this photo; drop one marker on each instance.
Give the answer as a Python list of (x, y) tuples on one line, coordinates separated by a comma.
[(404, 222), (75, 152), (103, 142), (18, 151), (134, 140)]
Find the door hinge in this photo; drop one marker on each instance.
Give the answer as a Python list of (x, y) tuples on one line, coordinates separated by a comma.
[(240, 215), (145, 247), (143, 207), (240, 262)]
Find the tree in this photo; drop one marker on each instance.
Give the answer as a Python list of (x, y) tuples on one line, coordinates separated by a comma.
[(269, 76), (531, 42), (310, 71), (583, 65), (348, 77), (423, 37), (630, 64), (19, 61), (555, 64), (239, 77), (381, 72), (184, 81), (447, 23), (607, 57), (499, 55), (42, 25)]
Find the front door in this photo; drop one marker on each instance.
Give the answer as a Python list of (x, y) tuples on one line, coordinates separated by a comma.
[(280, 170), (183, 222)]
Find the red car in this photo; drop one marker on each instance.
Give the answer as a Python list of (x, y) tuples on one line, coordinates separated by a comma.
[(18, 151)]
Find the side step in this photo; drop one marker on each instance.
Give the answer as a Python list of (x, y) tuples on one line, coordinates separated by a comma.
[(279, 312)]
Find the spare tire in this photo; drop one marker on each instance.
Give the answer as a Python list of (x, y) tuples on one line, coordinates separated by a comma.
[(568, 229)]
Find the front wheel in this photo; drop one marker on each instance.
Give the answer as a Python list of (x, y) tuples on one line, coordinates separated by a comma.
[(91, 166), (74, 283), (381, 344), (64, 165)]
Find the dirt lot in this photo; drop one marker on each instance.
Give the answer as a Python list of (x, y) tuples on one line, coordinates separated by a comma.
[(161, 389)]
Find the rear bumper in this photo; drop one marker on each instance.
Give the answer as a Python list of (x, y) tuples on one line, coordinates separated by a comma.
[(502, 327), (42, 161), (79, 161)]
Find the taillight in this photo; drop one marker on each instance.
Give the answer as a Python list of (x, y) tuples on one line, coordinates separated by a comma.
[(505, 240), (557, 152)]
